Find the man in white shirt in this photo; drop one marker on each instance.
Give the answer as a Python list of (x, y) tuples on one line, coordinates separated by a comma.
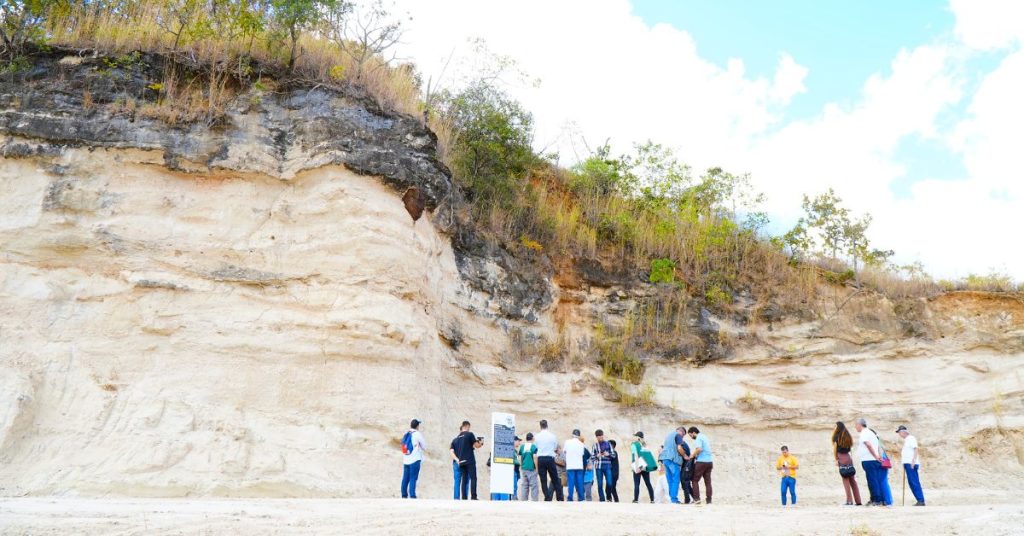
[(574, 464), (911, 460), (871, 460), (413, 446), (547, 449)]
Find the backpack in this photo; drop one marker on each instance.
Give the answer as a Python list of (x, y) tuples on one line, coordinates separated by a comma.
[(407, 445)]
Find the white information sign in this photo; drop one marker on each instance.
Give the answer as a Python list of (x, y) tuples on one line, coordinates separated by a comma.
[(503, 452)]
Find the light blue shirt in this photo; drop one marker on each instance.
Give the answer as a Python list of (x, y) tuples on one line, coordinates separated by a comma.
[(704, 445)]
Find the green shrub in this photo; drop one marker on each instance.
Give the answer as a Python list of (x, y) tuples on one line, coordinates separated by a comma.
[(717, 297), (662, 271)]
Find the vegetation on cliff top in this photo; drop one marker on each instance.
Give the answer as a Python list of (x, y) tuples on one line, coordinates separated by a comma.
[(643, 212)]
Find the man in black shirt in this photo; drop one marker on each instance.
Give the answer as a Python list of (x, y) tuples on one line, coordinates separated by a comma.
[(463, 453)]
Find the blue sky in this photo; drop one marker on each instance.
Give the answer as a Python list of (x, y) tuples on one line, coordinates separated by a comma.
[(841, 44), (909, 109)]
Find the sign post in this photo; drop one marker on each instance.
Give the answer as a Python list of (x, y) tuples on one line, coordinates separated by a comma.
[(503, 452)]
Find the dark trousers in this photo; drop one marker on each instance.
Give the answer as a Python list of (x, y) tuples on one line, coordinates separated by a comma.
[(410, 474), (547, 469), (611, 492), (914, 479), (636, 485), (702, 470), (467, 472), (686, 482)]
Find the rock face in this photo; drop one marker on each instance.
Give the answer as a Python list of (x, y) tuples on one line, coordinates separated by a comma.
[(231, 311)]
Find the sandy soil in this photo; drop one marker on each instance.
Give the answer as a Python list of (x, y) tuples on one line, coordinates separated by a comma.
[(390, 516)]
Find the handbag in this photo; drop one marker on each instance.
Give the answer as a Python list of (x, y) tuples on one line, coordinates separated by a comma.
[(886, 462), (639, 465), (847, 471)]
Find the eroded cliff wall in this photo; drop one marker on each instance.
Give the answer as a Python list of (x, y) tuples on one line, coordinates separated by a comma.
[(249, 309)]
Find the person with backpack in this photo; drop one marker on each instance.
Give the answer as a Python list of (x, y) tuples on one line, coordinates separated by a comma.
[(413, 446), (588, 475), (528, 483), (642, 462)]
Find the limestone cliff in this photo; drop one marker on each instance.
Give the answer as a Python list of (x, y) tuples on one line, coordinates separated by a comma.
[(247, 308)]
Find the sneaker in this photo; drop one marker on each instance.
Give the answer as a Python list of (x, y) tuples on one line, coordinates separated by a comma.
[(919, 503), (846, 504), (696, 502), (634, 502)]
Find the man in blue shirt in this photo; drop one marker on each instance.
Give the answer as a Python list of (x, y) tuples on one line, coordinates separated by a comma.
[(703, 463), (672, 458)]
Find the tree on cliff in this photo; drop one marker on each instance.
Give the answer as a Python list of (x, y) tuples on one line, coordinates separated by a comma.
[(21, 23), (493, 133), (829, 229)]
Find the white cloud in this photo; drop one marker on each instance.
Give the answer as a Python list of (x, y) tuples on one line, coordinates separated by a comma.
[(989, 24), (613, 76)]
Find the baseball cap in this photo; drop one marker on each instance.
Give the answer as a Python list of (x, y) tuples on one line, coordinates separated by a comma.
[(415, 423), (576, 432), (639, 434), (901, 429)]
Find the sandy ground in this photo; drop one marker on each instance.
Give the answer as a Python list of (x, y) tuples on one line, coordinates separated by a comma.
[(391, 516)]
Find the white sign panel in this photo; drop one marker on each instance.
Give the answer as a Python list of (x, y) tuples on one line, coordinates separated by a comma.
[(503, 457)]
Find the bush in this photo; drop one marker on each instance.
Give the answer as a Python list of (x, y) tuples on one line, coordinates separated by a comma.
[(492, 153), (662, 271)]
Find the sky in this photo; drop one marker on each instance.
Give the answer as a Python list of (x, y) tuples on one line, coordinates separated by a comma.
[(911, 111)]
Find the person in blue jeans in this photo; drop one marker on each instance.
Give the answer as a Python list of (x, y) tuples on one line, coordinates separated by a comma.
[(870, 455), (457, 477), (672, 459), (787, 466), (413, 446), (885, 491), (456, 474), (911, 464), (575, 452), (602, 463)]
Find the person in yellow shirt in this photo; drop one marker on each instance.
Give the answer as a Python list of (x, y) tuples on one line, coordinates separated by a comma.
[(787, 466)]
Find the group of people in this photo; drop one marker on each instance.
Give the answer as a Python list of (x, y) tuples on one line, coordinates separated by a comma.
[(875, 462), (543, 467)]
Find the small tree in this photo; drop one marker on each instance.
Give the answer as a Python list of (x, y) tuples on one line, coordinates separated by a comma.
[(21, 23), (826, 215), (365, 34), (177, 17), (827, 221), (492, 149), (292, 18)]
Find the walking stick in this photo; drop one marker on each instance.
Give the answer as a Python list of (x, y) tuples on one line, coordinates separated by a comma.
[(904, 500)]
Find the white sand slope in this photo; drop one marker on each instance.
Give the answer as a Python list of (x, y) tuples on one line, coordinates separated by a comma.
[(435, 517)]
